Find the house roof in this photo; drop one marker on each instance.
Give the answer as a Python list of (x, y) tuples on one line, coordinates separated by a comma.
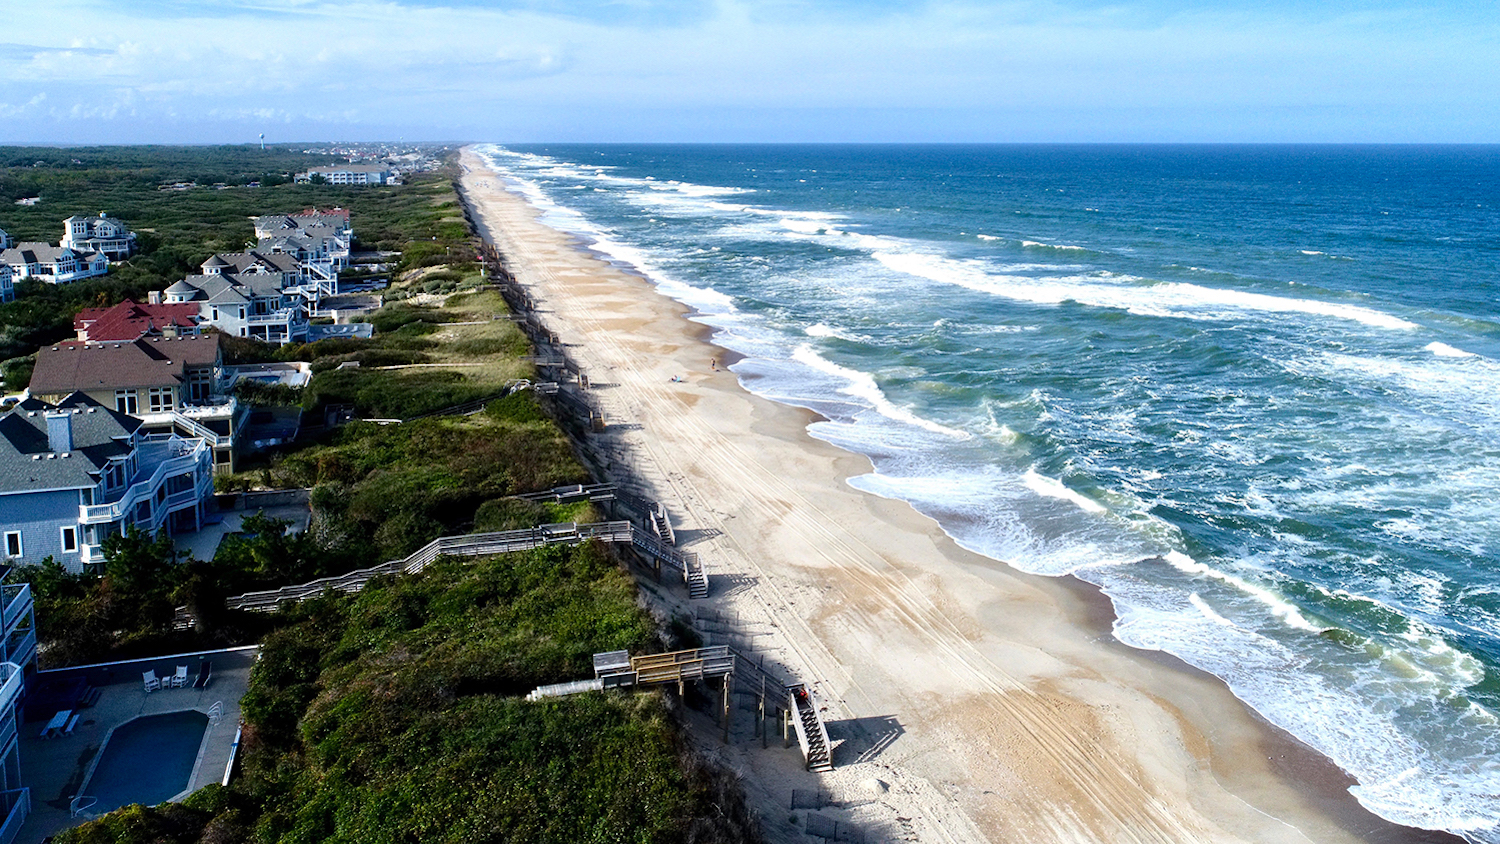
[(129, 320), (40, 253), (145, 362), (233, 287), (27, 461), (240, 262), (182, 288)]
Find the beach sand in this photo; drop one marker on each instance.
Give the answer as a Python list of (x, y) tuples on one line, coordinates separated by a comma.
[(970, 702)]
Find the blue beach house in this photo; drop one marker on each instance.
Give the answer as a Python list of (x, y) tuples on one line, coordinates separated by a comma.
[(76, 472)]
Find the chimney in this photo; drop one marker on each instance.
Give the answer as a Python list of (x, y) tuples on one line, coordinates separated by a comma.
[(59, 431), (153, 297)]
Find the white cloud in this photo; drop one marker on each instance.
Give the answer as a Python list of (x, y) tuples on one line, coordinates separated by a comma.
[(1074, 71)]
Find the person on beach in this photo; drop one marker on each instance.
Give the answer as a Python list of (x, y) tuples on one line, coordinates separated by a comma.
[(713, 363)]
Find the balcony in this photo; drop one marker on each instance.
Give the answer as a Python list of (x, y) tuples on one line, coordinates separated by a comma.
[(10, 688), (17, 807), (285, 316), (160, 456), (15, 605), (20, 646)]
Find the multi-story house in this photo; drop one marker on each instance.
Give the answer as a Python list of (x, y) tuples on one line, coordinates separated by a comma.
[(349, 174), (255, 262), (244, 305), (76, 472), (319, 240), (130, 321), (53, 264), (102, 234), (4, 240), (172, 384), (296, 279), (7, 283)]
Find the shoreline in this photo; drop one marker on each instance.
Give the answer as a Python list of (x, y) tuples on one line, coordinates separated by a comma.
[(1076, 737)]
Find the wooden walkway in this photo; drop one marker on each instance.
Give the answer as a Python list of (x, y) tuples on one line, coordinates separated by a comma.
[(484, 545)]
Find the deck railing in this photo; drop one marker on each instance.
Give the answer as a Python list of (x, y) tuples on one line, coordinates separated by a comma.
[(17, 806), (145, 489)]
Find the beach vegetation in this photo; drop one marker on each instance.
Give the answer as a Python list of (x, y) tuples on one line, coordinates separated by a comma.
[(398, 715)]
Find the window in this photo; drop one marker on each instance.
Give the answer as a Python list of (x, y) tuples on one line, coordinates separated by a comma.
[(13, 543), (70, 539), (161, 399), (127, 402)]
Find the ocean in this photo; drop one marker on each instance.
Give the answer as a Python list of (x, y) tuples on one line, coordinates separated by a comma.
[(1251, 392)]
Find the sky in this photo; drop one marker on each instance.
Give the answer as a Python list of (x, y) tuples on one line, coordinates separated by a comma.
[(516, 71)]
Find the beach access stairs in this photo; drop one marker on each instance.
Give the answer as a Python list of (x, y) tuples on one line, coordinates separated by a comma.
[(812, 734)]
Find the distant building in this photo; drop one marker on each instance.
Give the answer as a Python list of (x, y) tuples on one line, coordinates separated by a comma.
[(7, 285), (74, 473), (102, 234), (4, 240), (350, 174), (171, 384), (53, 264), (131, 321)]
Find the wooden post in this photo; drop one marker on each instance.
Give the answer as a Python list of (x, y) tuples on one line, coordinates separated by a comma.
[(760, 722), (786, 727), (728, 704)]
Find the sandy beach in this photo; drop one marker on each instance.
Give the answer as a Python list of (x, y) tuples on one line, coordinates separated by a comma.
[(988, 704)]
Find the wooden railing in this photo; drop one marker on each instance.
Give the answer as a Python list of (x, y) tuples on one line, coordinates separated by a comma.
[(470, 545)]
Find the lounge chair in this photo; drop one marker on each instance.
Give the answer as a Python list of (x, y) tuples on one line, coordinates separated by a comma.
[(205, 674), (152, 683), (180, 678)]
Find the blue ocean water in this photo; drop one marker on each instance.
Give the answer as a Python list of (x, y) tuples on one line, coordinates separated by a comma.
[(1252, 392)]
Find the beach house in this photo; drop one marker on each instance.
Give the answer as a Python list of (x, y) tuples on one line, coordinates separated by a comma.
[(53, 264), (7, 283), (254, 305), (4, 240), (76, 472), (171, 384), (320, 241), (102, 234)]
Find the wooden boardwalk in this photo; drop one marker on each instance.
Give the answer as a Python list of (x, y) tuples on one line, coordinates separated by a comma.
[(484, 545)]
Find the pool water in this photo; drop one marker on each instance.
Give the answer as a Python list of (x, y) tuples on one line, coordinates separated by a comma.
[(147, 760)]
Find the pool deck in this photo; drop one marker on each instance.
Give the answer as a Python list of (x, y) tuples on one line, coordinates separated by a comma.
[(55, 768)]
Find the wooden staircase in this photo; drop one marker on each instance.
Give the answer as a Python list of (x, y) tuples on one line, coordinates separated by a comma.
[(812, 736), (696, 577)]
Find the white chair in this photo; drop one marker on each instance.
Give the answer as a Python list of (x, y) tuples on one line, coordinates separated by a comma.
[(152, 684), (180, 678)]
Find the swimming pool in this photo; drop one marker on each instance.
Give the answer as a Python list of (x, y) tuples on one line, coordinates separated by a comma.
[(147, 760)]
